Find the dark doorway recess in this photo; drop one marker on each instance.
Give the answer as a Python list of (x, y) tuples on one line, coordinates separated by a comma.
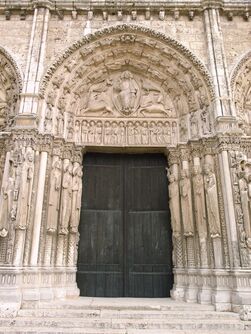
[(125, 247)]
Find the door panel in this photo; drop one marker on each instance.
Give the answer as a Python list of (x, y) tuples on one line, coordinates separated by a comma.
[(100, 258), (125, 244)]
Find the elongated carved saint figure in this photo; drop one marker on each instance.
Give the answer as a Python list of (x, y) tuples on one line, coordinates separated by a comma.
[(26, 184), (174, 204), (66, 198), (6, 203), (76, 196), (186, 205), (212, 202), (199, 203), (54, 195)]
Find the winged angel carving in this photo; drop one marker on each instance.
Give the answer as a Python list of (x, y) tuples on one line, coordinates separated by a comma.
[(126, 95)]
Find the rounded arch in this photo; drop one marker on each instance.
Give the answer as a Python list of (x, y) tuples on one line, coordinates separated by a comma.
[(10, 88), (128, 71), (241, 91)]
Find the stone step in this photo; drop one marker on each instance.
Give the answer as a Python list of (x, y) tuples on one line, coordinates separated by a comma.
[(121, 304), (128, 314), (204, 324)]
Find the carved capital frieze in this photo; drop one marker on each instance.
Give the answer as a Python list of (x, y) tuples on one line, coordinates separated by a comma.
[(173, 157)]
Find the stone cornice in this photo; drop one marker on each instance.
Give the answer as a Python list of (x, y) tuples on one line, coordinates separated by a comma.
[(84, 5)]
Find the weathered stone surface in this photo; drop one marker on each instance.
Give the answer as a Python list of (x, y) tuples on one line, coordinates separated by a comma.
[(169, 78)]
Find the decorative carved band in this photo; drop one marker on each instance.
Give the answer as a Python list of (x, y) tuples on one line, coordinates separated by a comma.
[(140, 132)]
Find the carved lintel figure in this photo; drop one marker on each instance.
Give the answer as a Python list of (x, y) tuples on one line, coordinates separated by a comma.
[(186, 205), (66, 198), (199, 203), (7, 191), (84, 131), (70, 128), (98, 132), (174, 204), (76, 197), (77, 132), (212, 202), (54, 195)]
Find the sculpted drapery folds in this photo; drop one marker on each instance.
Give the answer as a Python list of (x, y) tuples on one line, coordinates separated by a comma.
[(212, 201), (199, 203), (54, 195), (244, 176), (186, 203), (7, 192), (76, 196), (25, 194), (66, 198), (174, 204)]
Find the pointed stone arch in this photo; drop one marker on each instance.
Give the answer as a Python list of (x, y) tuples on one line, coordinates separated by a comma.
[(87, 89), (241, 90), (10, 88)]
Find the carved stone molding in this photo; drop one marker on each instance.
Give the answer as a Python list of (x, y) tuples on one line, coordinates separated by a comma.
[(10, 88), (133, 32), (241, 88)]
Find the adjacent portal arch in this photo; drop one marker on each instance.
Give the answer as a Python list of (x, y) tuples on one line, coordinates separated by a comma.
[(127, 86), (241, 88), (10, 88)]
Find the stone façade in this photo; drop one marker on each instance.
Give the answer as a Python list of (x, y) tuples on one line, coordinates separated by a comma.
[(175, 80)]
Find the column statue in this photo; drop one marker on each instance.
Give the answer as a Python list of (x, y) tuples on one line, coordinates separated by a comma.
[(54, 195), (7, 191), (26, 183), (76, 196), (185, 193), (174, 204), (199, 203), (66, 198), (212, 202)]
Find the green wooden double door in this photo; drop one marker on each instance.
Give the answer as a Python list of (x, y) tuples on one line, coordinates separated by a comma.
[(125, 247)]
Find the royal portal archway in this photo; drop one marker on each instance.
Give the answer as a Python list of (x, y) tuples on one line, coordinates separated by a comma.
[(126, 89)]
